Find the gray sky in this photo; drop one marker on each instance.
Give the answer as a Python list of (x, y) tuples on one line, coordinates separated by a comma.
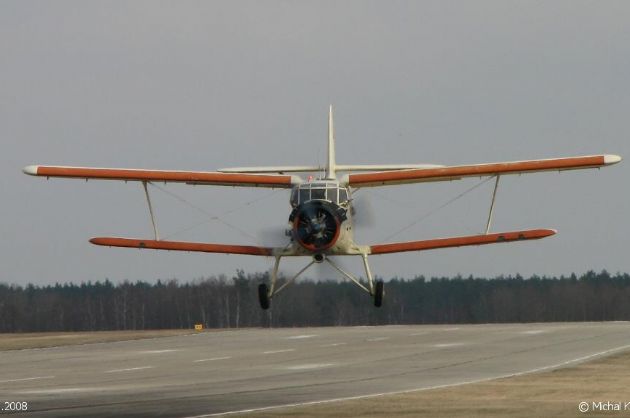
[(205, 85)]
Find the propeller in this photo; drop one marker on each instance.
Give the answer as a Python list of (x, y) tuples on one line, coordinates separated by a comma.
[(315, 225), (273, 236), (363, 211)]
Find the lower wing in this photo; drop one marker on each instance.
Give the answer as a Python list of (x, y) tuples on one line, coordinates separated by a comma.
[(431, 244), (182, 246), (397, 247)]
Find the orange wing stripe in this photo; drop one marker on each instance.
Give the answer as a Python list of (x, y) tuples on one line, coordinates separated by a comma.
[(453, 173), (200, 177), (181, 246), (461, 241)]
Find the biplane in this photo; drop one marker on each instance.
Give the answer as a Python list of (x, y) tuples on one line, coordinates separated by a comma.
[(321, 217)]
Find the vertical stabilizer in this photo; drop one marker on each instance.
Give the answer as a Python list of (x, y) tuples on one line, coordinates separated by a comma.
[(330, 166)]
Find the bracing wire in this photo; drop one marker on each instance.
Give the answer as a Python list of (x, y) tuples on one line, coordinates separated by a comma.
[(393, 201), (437, 209), (213, 217)]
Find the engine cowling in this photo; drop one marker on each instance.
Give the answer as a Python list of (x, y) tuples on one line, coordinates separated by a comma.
[(317, 224)]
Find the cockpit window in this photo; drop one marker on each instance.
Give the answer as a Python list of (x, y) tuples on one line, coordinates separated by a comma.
[(331, 194), (318, 194), (343, 195), (294, 197), (305, 195)]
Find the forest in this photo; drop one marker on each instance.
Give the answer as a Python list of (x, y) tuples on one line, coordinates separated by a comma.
[(231, 302)]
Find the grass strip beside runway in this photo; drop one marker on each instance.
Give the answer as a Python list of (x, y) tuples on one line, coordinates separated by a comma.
[(20, 341), (556, 393)]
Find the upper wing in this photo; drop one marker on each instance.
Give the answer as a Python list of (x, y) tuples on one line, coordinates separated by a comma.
[(315, 168), (432, 244), (385, 178), (190, 177)]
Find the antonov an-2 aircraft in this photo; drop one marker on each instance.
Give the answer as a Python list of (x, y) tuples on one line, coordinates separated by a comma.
[(321, 209)]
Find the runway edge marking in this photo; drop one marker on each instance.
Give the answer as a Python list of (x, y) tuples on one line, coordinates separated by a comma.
[(212, 359), (286, 350), (373, 395), (24, 379), (130, 369)]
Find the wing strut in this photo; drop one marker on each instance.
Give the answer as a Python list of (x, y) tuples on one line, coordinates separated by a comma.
[(155, 230), (494, 196)]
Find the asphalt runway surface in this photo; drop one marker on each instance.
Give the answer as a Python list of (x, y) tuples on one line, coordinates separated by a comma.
[(217, 372)]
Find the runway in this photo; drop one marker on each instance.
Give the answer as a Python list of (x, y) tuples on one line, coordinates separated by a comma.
[(218, 372)]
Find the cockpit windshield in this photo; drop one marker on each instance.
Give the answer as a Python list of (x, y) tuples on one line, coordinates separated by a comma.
[(319, 194), (331, 192)]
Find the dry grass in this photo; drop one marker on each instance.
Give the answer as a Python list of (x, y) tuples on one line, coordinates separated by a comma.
[(20, 341), (551, 394)]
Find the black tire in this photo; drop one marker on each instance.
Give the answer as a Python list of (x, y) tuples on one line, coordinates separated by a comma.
[(263, 296), (379, 291)]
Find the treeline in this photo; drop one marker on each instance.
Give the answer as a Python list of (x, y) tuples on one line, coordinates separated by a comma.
[(221, 302)]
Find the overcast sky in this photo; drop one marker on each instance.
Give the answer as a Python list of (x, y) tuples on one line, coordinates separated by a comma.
[(205, 85)]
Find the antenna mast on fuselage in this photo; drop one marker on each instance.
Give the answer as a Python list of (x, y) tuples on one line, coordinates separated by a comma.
[(330, 166)]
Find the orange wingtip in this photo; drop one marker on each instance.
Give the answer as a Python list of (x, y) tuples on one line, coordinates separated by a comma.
[(181, 246), (495, 238)]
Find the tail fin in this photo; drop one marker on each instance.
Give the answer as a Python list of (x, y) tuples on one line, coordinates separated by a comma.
[(331, 166)]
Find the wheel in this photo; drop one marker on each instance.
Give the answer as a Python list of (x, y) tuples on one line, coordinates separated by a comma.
[(263, 296), (379, 291)]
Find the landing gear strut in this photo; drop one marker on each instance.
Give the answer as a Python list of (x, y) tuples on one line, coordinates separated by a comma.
[(266, 294), (376, 289)]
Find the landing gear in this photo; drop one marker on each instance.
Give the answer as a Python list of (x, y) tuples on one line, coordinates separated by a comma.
[(263, 296), (375, 288), (379, 291)]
